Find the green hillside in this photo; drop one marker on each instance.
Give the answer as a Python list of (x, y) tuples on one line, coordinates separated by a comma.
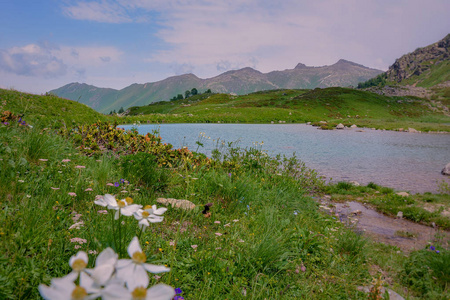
[(47, 110), (334, 105)]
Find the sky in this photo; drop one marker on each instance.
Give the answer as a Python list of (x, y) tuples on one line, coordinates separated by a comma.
[(114, 43)]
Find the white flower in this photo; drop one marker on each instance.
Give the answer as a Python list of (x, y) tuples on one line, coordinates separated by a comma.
[(134, 271), (65, 289), (79, 262), (124, 206), (157, 292), (104, 267), (150, 214)]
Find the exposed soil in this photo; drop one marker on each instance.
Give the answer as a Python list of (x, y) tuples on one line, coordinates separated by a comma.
[(398, 232)]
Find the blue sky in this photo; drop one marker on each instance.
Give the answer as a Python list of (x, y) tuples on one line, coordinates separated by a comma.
[(114, 43)]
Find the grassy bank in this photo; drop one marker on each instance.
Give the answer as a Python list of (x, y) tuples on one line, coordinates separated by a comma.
[(262, 238), (334, 105)]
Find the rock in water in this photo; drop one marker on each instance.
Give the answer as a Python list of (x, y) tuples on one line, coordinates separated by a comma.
[(446, 170)]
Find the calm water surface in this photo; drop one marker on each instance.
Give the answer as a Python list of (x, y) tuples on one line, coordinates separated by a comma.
[(404, 161)]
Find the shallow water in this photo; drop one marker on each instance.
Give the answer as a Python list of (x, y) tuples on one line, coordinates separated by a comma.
[(404, 161)]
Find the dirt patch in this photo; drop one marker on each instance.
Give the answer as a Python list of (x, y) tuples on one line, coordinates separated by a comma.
[(398, 232)]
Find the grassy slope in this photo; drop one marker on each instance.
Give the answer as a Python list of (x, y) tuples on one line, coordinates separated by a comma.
[(281, 247), (48, 110), (335, 105)]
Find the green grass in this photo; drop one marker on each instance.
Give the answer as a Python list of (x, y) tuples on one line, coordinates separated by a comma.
[(48, 110), (335, 105), (264, 238)]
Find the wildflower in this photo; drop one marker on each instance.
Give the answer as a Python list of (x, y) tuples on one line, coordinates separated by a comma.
[(216, 222), (65, 160), (219, 248), (104, 212), (150, 214), (72, 194), (227, 225), (104, 267), (77, 225), (218, 234), (110, 184), (53, 188), (172, 243), (122, 180), (79, 261), (78, 240), (295, 212), (116, 184), (437, 251), (88, 190), (194, 247), (235, 220), (76, 217), (80, 167), (241, 241), (65, 288), (432, 248), (93, 252), (121, 206), (43, 159), (21, 181), (133, 271)]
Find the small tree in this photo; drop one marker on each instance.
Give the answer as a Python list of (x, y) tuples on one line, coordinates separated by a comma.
[(194, 92), (121, 110), (208, 91), (180, 97), (187, 94)]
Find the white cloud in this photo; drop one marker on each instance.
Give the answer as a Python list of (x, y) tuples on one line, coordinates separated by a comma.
[(32, 60), (103, 11)]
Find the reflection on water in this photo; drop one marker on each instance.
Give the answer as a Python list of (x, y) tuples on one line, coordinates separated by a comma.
[(404, 161)]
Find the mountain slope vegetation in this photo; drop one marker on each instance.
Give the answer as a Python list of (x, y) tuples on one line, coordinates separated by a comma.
[(247, 80)]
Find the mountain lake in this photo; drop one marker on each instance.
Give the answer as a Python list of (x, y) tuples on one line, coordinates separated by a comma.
[(404, 161)]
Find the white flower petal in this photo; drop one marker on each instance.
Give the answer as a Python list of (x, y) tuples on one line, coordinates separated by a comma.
[(134, 246), (80, 255), (130, 209), (138, 214), (122, 263), (126, 271), (155, 219), (49, 293), (102, 274), (116, 216), (115, 292), (160, 292), (106, 257), (101, 202), (155, 269), (144, 222), (110, 200), (138, 278), (160, 211)]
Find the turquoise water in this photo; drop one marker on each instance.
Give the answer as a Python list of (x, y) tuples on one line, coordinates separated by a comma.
[(405, 161)]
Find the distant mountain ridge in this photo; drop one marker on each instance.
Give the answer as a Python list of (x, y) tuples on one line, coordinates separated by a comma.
[(243, 81)]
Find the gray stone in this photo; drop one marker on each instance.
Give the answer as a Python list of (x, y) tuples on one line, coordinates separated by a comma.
[(403, 194), (353, 126), (340, 126), (446, 170), (183, 204)]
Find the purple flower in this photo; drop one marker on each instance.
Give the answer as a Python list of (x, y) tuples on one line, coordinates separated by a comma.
[(122, 180), (178, 298), (432, 248), (116, 184), (178, 291), (437, 251)]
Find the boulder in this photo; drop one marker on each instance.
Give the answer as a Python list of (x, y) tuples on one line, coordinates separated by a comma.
[(340, 126), (354, 183), (446, 170), (403, 194), (183, 204), (412, 130), (353, 126)]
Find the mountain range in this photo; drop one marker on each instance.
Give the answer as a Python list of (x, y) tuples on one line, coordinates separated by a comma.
[(243, 81)]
